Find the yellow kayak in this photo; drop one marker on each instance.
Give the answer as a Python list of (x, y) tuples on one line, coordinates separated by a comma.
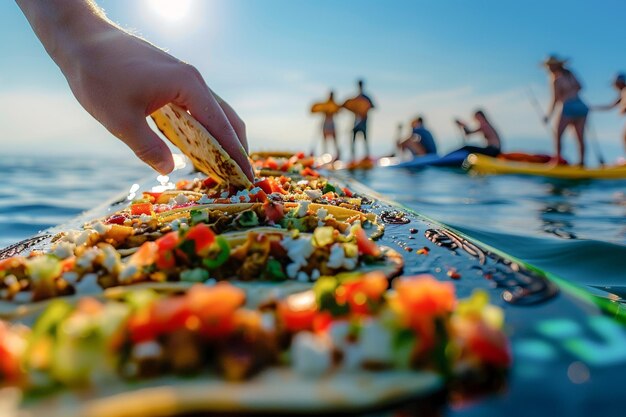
[(483, 164)]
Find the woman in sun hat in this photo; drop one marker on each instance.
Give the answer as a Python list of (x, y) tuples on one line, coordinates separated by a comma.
[(619, 82), (565, 90)]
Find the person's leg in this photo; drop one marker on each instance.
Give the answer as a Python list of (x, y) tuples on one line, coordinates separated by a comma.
[(324, 140), (352, 145), (367, 145), (625, 138), (337, 152), (563, 122), (579, 127)]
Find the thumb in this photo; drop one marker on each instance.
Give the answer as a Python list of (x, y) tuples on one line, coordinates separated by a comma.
[(149, 148)]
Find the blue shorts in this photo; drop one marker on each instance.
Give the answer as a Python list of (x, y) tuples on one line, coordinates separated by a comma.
[(574, 109)]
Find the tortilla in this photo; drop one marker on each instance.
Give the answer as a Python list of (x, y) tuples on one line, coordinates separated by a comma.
[(199, 145), (276, 390)]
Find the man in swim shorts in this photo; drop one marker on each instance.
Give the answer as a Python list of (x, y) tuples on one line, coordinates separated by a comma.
[(360, 120)]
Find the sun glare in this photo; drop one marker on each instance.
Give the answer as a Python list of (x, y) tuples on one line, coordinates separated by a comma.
[(173, 11)]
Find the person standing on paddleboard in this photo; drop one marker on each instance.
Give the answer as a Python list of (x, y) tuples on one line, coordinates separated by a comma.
[(565, 90), (360, 106), (328, 126), (620, 85), (421, 141), (488, 131)]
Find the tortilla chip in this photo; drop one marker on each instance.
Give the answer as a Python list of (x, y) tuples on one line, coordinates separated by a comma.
[(199, 145)]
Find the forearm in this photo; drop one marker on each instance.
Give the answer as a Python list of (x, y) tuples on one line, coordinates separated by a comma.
[(64, 26)]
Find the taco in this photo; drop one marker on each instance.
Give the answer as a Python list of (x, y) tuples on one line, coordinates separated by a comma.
[(331, 349), (199, 145)]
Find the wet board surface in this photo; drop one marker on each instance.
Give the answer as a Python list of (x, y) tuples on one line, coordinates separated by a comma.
[(569, 354)]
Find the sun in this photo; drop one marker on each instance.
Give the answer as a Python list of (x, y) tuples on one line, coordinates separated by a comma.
[(173, 11)]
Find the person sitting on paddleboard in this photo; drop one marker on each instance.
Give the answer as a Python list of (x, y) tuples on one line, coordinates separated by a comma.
[(360, 106), (489, 133), (421, 141), (620, 85), (565, 90)]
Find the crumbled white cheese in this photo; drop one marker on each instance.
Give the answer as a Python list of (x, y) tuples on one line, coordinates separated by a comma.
[(338, 259), (63, 250), (70, 276), (85, 261), (268, 321), (235, 199), (338, 332), (315, 274), (311, 354), (111, 258), (206, 200), (225, 194), (298, 249), (181, 199), (145, 218), (376, 342), (101, 228), (302, 277), (302, 209), (292, 270), (128, 273), (149, 349), (178, 224), (71, 236), (313, 194), (255, 190), (352, 356), (83, 238), (303, 183)]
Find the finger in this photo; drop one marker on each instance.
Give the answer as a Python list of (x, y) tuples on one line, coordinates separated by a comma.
[(149, 148), (205, 108), (235, 120)]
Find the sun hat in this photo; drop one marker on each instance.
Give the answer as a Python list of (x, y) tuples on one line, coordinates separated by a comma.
[(554, 60)]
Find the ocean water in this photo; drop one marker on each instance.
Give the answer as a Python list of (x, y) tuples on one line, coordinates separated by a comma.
[(576, 230)]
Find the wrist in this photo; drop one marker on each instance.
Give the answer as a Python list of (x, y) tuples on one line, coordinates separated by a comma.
[(65, 26)]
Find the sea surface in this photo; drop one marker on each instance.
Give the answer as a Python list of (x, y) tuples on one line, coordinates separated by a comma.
[(575, 229)]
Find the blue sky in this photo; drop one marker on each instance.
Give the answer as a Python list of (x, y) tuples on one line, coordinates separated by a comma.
[(272, 58)]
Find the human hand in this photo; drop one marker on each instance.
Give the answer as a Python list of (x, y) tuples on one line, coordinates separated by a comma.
[(120, 79)]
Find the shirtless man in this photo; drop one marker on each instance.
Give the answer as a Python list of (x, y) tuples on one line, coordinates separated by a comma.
[(489, 133), (565, 89), (620, 85)]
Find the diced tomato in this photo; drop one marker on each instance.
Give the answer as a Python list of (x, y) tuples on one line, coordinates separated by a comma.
[(298, 312), (165, 256), (329, 195), (361, 293), (322, 321), (264, 185), (260, 197), (273, 211), (365, 245), (68, 264), (202, 235), (145, 255), (490, 345), (276, 187), (270, 163), (307, 162), (424, 295), (171, 314), (10, 364), (308, 172), (141, 208), (299, 155), (183, 185), (116, 219), (209, 183), (153, 197), (347, 192), (215, 307)]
